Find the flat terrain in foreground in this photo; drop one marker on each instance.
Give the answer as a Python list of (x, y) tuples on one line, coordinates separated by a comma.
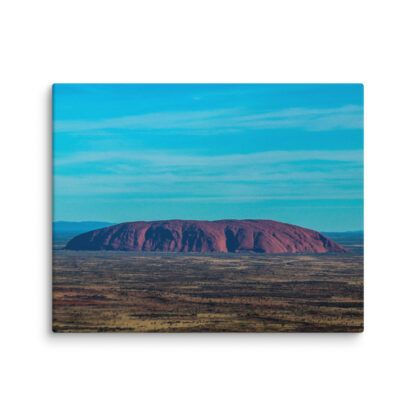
[(127, 291)]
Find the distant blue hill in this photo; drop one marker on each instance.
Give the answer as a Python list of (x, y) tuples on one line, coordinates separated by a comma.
[(343, 232), (84, 226), (67, 227)]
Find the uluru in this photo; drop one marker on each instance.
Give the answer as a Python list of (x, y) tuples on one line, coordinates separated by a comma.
[(191, 236)]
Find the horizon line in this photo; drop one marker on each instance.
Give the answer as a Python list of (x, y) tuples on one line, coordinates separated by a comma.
[(178, 219)]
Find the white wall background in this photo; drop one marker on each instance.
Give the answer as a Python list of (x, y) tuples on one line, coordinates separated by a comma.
[(215, 41)]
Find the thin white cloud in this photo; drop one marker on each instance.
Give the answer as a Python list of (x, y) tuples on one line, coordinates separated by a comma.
[(203, 190), (241, 182), (181, 160), (177, 176), (225, 120), (157, 121)]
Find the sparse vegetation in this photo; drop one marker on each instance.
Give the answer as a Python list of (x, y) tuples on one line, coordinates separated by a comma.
[(173, 292)]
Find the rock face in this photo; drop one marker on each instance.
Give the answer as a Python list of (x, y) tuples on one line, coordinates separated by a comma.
[(224, 236)]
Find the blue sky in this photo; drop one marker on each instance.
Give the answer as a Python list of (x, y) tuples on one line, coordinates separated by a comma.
[(288, 152)]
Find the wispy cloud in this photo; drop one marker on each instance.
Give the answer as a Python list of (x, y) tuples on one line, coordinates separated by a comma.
[(160, 187), (253, 176), (186, 160), (225, 120), (155, 121)]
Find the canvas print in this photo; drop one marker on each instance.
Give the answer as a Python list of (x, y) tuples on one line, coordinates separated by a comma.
[(207, 208)]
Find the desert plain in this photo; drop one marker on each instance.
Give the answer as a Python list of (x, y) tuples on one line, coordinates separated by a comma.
[(116, 291)]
